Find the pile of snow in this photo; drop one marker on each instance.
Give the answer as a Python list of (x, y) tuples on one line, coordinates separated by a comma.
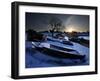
[(66, 38)]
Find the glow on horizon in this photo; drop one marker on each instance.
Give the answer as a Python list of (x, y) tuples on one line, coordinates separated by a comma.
[(70, 29), (74, 28)]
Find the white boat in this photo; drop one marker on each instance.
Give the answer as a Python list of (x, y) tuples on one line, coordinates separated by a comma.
[(56, 51)]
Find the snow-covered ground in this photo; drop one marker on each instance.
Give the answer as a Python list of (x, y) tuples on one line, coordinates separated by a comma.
[(35, 58), (84, 37)]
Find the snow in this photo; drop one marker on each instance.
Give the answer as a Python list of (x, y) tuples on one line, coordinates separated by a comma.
[(82, 50), (47, 45), (60, 44), (43, 44), (66, 38), (35, 58), (84, 37)]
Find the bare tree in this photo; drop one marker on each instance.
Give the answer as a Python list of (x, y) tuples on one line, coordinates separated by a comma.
[(55, 24)]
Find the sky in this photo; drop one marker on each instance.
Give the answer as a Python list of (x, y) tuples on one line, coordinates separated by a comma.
[(70, 22)]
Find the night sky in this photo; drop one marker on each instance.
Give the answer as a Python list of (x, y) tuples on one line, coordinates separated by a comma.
[(40, 22)]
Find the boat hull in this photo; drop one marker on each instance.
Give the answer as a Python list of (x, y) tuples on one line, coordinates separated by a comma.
[(60, 54)]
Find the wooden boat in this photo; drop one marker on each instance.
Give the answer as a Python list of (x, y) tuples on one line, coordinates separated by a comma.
[(60, 52)]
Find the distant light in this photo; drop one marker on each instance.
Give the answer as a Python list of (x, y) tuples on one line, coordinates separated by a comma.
[(74, 28), (70, 29)]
